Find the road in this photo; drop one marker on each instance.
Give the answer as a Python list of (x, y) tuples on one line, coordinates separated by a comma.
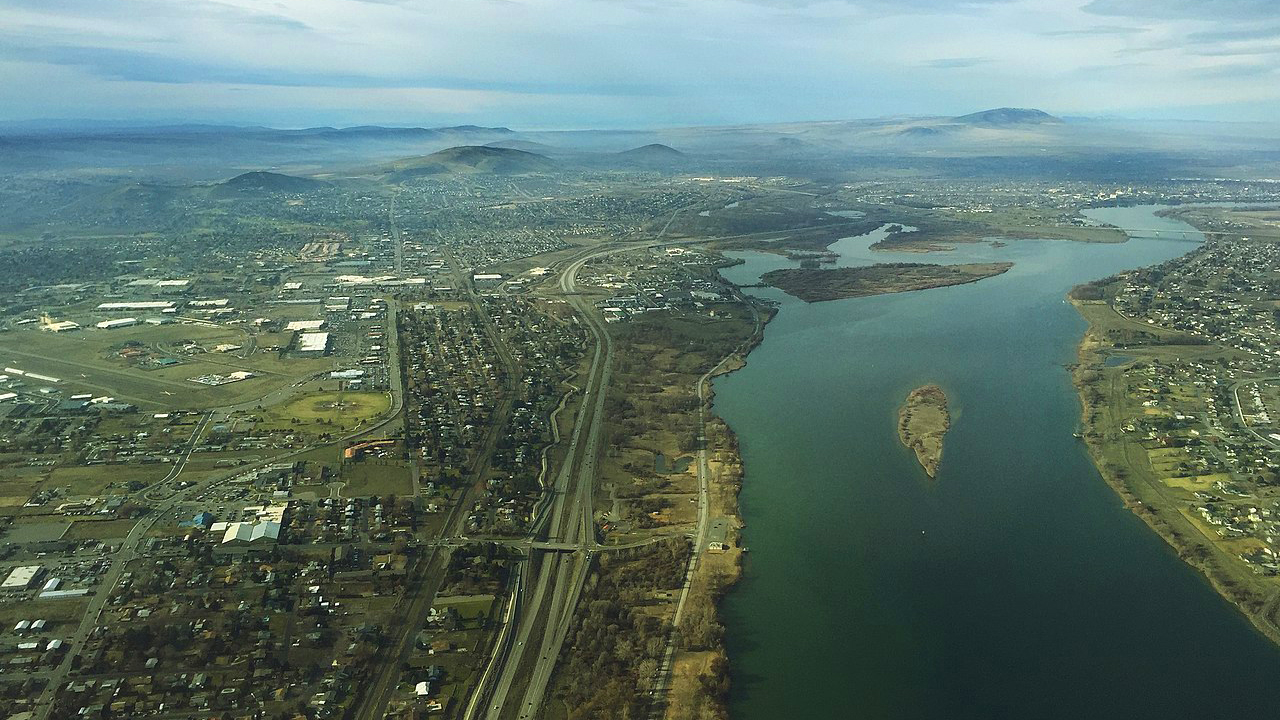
[(553, 593), (553, 579), (427, 573), (662, 682), (1235, 396)]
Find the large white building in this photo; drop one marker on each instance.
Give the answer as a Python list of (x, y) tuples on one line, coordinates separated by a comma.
[(135, 305), (315, 343), (21, 578), (251, 532), (118, 323), (305, 325)]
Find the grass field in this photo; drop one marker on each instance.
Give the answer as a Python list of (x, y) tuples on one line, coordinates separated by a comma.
[(337, 411), (371, 477), (86, 361), (99, 529), (97, 479)]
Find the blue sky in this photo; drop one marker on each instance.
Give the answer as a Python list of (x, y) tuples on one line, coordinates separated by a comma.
[(632, 63)]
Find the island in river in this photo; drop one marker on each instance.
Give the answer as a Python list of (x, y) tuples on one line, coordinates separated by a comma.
[(923, 420), (817, 285)]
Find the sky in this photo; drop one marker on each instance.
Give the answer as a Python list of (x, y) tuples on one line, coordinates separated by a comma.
[(543, 64)]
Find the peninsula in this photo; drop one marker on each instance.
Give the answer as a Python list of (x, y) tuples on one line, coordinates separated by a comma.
[(923, 420), (817, 285)]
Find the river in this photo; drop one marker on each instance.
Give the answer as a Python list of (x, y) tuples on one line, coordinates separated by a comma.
[(1015, 585)]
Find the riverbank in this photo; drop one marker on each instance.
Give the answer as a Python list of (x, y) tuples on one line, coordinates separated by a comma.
[(699, 687), (923, 421), (1121, 463), (862, 585)]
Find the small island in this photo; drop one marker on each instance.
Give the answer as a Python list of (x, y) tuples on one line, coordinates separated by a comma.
[(817, 285), (922, 422)]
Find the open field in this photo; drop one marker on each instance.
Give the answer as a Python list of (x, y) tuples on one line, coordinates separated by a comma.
[(88, 360), (337, 411), (99, 530), (376, 477), (98, 479)]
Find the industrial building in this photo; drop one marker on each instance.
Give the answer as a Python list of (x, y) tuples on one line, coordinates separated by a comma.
[(312, 343), (305, 325), (22, 578), (116, 324), (135, 305), (160, 286), (251, 532)]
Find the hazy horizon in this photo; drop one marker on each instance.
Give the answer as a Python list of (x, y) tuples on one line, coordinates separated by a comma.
[(75, 124)]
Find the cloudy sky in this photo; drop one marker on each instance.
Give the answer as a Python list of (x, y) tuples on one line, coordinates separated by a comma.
[(632, 63)]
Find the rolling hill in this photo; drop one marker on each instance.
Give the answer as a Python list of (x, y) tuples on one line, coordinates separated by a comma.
[(1000, 117), (262, 181), (469, 160)]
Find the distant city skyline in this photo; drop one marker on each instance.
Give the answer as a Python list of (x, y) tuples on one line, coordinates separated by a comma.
[(542, 64)]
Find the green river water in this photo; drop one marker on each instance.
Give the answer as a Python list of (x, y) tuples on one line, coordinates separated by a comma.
[(1015, 585)]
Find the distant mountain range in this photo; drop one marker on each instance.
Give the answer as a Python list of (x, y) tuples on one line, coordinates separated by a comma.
[(204, 153)]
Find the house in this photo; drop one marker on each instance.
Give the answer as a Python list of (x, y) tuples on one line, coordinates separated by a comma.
[(718, 535)]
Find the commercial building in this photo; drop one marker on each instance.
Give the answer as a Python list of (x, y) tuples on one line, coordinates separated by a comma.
[(305, 325), (60, 326), (251, 532), (160, 286), (313, 343), (118, 323), (22, 578), (63, 594), (135, 305)]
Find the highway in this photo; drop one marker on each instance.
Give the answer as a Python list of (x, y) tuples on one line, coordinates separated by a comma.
[(523, 661), (548, 612)]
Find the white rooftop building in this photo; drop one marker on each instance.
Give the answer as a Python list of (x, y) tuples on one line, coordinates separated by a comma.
[(313, 342), (305, 325), (21, 578), (252, 532)]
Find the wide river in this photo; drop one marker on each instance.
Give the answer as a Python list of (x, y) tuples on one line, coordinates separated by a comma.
[(1015, 585)]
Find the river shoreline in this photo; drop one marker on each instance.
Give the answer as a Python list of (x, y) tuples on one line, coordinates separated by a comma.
[(1191, 547), (718, 573), (862, 585)]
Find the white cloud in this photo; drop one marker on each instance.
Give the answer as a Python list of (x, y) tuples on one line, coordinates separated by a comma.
[(628, 62)]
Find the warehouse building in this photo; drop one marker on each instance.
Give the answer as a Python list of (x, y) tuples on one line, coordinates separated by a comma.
[(22, 578), (161, 305), (312, 343), (117, 323), (251, 532), (305, 325)]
